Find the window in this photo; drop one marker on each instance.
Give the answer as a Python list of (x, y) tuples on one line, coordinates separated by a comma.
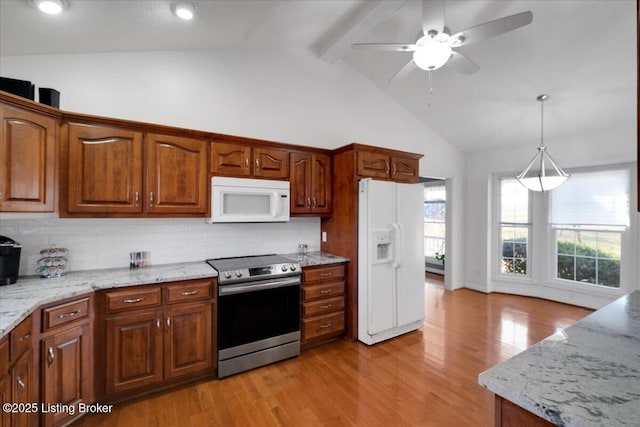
[(589, 215), (514, 227), (434, 219)]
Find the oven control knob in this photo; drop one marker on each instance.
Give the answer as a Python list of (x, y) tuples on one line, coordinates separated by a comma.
[(292, 267), (284, 267), (227, 275), (238, 273)]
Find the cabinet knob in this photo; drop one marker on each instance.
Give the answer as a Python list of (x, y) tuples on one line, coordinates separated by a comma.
[(257, 163), (20, 382), (246, 162), (158, 323), (137, 199), (151, 199), (50, 355), (168, 322)]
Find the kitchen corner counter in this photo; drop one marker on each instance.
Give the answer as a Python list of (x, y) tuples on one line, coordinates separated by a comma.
[(316, 258), (19, 300), (586, 375)]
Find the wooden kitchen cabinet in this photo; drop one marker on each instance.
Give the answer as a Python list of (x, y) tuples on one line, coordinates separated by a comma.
[(121, 172), (66, 358), (177, 175), (243, 160), (383, 165), (27, 160), (5, 380), (104, 169), (21, 376), (323, 303), (310, 183), (157, 334)]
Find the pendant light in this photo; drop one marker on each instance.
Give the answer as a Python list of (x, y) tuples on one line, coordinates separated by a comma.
[(548, 175)]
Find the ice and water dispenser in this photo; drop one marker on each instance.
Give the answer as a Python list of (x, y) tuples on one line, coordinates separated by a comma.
[(384, 249)]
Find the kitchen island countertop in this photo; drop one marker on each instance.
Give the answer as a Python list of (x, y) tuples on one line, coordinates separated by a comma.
[(19, 300), (586, 375)]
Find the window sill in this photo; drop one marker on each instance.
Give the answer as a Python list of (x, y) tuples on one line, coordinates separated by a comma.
[(512, 278)]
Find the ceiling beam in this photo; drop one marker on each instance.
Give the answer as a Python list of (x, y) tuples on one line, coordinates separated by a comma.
[(336, 42)]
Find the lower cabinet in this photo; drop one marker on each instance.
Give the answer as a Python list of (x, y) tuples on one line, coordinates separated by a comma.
[(323, 303), (66, 360), (173, 340), (23, 389)]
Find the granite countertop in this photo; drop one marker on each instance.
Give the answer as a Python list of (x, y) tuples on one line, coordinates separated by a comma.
[(586, 375), (316, 258), (19, 300)]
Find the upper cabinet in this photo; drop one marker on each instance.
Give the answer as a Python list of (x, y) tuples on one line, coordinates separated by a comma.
[(177, 175), (107, 171), (310, 184), (27, 160), (242, 160), (383, 165)]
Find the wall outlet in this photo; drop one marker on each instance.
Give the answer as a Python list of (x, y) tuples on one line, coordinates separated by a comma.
[(324, 236)]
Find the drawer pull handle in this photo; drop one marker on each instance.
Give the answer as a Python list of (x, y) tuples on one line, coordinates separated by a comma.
[(158, 323), (151, 199), (325, 291), (168, 322), (132, 300), (20, 382), (137, 199), (188, 293), (325, 326), (26, 337), (325, 274), (71, 314), (324, 307), (51, 355)]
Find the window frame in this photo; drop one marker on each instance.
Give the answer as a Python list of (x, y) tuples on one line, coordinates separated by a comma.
[(497, 273), (444, 202)]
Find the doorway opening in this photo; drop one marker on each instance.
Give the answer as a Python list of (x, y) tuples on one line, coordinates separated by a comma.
[(435, 227)]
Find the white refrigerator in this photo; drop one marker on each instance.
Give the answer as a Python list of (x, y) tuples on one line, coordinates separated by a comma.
[(390, 259)]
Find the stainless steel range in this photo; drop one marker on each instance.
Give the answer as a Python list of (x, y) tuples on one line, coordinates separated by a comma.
[(258, 311)]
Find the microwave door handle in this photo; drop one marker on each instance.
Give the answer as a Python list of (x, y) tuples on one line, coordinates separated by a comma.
[(277, 205)]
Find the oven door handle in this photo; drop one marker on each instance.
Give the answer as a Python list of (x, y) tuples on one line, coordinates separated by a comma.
[(258, 286)]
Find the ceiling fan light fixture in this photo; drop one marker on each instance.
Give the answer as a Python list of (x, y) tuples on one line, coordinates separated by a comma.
[(431, 54), (548, 175), (50, 7), (183, 10)]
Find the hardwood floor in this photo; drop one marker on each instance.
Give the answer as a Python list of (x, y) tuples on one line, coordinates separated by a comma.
[(425, 378)]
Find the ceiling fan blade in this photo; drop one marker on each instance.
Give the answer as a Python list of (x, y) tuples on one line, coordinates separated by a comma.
[(491, 29), (432, 16), (404, 71), (462, 63), (397, 47)]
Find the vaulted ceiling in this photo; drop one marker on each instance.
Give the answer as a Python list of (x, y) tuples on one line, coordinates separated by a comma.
[(582, 52)]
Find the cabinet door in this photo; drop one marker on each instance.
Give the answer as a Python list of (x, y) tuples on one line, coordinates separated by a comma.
[(104, 170), (300, 179), (188, 340), (66, 371), (372, 164), (321, 184), (404, 169), (5, 397), (134, 351), (270, 163), (176, 175), (232, 159), (27, 168), (23, 388)]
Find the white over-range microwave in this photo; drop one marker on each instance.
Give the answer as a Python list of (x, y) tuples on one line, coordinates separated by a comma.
[(249, 200)]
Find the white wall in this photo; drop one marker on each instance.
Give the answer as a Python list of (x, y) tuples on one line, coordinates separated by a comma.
[(284, 95), (611, 146)]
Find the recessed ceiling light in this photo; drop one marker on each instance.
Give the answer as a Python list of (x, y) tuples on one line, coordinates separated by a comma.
[(50, 7), (183, 10)]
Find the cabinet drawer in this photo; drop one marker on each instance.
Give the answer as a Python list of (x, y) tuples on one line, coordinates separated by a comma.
[(322, 291), (20, 338), (322, 306), (188, 291), (132, 299), (64, 313), (323, 273), (323, 325)]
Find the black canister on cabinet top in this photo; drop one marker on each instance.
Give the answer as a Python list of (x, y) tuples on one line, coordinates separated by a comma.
[(9, 260), (49, 97)]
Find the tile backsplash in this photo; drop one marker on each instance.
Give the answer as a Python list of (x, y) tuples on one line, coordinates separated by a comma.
[(106, 243)]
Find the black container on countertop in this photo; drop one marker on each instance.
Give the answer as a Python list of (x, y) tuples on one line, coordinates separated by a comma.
[(9, 260)]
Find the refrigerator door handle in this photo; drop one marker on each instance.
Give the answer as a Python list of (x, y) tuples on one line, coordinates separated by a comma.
[(398, 252)]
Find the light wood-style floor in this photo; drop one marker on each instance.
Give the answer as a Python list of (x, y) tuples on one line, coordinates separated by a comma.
[(424, 378)]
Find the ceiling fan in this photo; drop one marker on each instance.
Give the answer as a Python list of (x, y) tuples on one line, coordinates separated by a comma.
[(435, 46)]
